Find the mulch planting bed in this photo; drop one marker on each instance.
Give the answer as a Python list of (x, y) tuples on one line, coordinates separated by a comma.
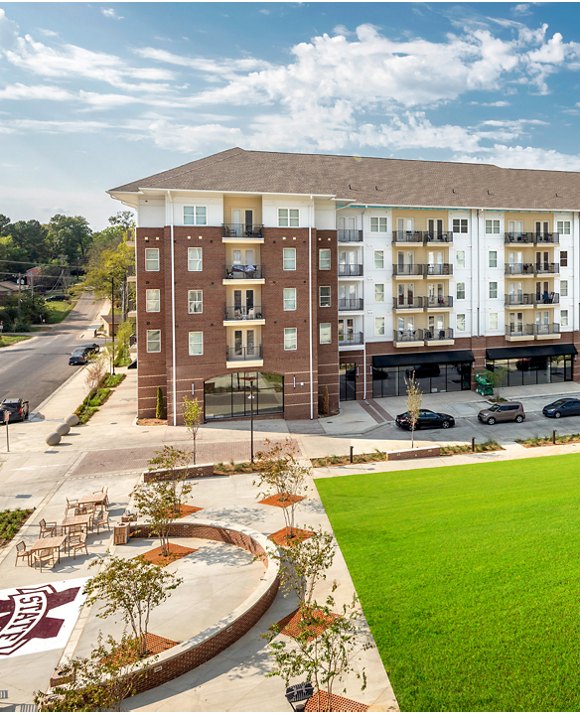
[(186, 510), (152, 422), (290, 625), (157, 644), (281, 500), (318, 702), (175, 552), (282, 537)]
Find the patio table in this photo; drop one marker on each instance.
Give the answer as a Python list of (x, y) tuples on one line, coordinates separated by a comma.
[(84, 519), (53, 543)]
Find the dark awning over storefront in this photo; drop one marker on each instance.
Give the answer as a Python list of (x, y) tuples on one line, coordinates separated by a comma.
[(452, 357), (540, 351)]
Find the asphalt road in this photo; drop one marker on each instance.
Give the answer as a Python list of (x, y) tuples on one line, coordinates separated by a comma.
[(35, 368)]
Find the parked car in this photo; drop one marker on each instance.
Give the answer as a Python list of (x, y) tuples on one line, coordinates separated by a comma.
[(426, 420), (562, 407), (18, 408), (507, 411), (92, 349), (81, 354)]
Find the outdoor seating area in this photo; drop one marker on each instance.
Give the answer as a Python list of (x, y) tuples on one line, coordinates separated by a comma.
[(82, 516)]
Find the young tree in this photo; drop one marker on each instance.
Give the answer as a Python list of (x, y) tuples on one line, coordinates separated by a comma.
[(193, 418), (322, 650), (95, 371), (98, 682), (131, 589), (160, 410), (414, 399), (123, 336), (496, 377), (160, 501), (281, 473)]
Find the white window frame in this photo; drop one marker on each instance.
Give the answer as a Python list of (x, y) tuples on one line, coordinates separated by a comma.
[(325, 333), (463, 223), (324, 259), (327, 298), (493, 288), (379, 326), (493, 320), (153, 339), (287, 260), (378, 224), (564, 318), (152, 256), (492, 226), (564, 228), (563, 258), (461, 322), (196, 215), (379, 259), (290, 339), (563, 288), (194, 303), (194, 265), (289, 299), (380, 295), (460, 258), (152, 300), (460, 291), (195, 345), (492, 259), (288, 217)]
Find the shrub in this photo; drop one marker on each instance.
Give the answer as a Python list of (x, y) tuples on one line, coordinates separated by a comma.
[(160, 410)]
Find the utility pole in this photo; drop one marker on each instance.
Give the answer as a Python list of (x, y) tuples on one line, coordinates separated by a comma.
[(113, 323)]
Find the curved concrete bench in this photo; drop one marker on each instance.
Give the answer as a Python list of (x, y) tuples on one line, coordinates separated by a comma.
[(202, 647)]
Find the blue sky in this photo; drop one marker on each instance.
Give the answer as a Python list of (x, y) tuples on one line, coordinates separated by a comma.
[(94, 95)]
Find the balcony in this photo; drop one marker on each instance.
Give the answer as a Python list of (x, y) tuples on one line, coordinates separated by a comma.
[(405, 271), (349, 271), (437, 238), (409, 338), (532, 238), (414, 304), (441, 302), (438, 270), (531, 299), (349, 235), (515, 332), (531, 269), (422, 237), (430, 270), (239, 313), (350, 339), (242, 230), (244, 354), (439, 337), (547, 332), (350, 304), (243, 272)]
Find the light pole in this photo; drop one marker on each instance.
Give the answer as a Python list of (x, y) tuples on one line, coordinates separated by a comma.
[(252, 419), (113, 323)]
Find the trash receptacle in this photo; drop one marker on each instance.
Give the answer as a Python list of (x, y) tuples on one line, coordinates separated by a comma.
[(121, 534)]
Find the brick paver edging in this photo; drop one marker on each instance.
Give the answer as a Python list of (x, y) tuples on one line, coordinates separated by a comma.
[(207, 644)]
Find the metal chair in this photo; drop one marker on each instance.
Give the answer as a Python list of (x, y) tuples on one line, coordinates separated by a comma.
[(22, 552)]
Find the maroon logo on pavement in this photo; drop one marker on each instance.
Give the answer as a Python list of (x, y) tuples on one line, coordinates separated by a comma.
[(25, 615)]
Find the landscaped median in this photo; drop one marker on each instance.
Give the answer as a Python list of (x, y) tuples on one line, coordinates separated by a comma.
[(98, 396), (549, 440)]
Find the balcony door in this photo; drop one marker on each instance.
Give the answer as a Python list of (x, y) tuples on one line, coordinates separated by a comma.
[(541, 228), (435, 294), (408, 290), (243, 221), (435, 227), (542, 259), (515, 228), (245, 343), (516, 322)]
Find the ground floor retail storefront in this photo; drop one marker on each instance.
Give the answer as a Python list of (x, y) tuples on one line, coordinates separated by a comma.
[(434, 371), (545, 364), (240, 394)]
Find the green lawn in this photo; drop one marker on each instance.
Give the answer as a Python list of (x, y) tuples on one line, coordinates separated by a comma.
[(469, 577), (6, 340), (58, 310)]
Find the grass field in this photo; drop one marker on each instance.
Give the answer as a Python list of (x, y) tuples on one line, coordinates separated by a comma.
[(469, 578), (6, 340), (58, 310)]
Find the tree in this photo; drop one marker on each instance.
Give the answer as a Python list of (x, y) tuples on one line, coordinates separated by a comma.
[(324, 401), (322, 650), (160, 411), (95, 371), (98, 682), (107, 274), (160, 501), (496, 377), (414, 399), (123, 337), (193, 418), (281, 473), (70, 237), (131, 589)]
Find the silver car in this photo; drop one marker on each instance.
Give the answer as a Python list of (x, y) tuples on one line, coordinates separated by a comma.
[(506, 411)]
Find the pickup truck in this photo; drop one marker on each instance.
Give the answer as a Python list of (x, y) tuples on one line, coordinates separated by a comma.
[(18, 409)]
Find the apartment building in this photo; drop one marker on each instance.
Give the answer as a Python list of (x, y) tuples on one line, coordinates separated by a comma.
[(273, 283)]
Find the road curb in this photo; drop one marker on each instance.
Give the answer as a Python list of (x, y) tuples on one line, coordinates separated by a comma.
[(59, 389)]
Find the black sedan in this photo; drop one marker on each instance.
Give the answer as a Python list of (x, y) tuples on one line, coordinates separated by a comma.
[(562, 407), (18, 409), (426, 420)]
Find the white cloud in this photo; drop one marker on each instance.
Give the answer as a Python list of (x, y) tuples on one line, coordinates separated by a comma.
[(524, 157), (35, 92), (111, 13)]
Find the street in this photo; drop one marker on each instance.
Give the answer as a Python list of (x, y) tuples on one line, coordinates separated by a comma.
[(35, 368)]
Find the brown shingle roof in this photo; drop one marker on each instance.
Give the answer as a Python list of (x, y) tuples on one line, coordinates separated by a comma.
[(395, 182)]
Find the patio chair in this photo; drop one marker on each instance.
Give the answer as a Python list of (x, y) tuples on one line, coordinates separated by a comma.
[(101, 520), (22, 552), (42, 557), (77, 541), (47, 529), (71, 504)]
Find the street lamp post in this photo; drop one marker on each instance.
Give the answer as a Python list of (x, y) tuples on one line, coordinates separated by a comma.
[(113, 323), (252, 420)]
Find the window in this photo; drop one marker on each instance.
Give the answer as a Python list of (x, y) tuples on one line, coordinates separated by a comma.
[(153, 340), (152, 259), (290, 338), (460, 258), (195, 215), (493, 290), (564, 288), (378, 224), (460, 323), (564, 318), (325, 333), (324, 296), (379, 292), (194, 259), (461, 291), (564, 258), (493, 320), (324, 257), (194, 301), (195, 343), (460, 225), (379, 326), (152, 300), (563, 227), (289, 299), (492, 226), (288, 217), (289, 258), (493, 258), (379, 259)]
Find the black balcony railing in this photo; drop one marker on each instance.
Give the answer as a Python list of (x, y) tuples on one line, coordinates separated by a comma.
[(243, 272), (550, 329), (351, 304), (439, 269), (408, 303), (542, 268), (437, 302), (438, 237), (532, 299), (351, 338), (350, 270), (349, 235), (422, 237), (519, 330), (244, 313), (532, 238), (243, 354), (415, 269), (242, 230), (408, 335), (531, 268), (442, 334)]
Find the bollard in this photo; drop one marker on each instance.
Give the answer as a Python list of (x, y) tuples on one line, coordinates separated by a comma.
[(553, 436), (473, 444), (53, 439), (72, 420), (351, 454), (63, 429)]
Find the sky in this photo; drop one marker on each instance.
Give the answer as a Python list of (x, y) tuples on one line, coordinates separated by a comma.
[(95, 95)]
